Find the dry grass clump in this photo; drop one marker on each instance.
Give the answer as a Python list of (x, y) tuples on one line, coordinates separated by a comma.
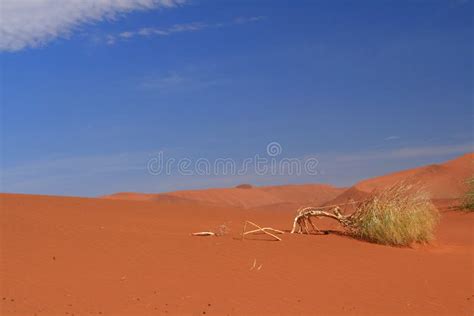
[(398, 216), (468, 202)]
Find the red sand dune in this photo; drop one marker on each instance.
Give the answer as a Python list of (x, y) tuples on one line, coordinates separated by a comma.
[(247, 197), (442, 181)]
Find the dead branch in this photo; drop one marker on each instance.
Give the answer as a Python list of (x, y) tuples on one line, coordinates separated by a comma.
[(304, 215), (264, 230), (204, 234)]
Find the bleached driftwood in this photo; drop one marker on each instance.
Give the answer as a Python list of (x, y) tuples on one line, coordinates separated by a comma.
[(220, 231), (264, 230), (305, 215), (302, 218), (204, 234)]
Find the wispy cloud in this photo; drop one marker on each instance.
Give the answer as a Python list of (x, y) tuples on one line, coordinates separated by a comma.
[(186, 80), (32, 23), (93, 164), (408, 152), (245, 19), (177, 28), (64, 175), (389, 138), (100, 174)]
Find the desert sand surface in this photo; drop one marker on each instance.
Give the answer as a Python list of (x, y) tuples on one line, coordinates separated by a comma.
[(133, 254), (78, 256)]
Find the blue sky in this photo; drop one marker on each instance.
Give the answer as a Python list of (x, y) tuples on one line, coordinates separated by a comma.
[(91, 90)]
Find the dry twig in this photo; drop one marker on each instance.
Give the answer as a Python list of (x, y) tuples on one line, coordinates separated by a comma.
[(264, 230), (204, 234)]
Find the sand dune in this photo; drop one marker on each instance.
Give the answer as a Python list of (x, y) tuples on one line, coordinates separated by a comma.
[(441, 181), (247, 196), (447, 180)]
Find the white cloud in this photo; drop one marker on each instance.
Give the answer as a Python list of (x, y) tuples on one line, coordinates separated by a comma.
[(178, 28), (244, 19), (169, 81), (409, 152), (32, 23), (126, 34), (389, 138), (147, 31), (186, 80)]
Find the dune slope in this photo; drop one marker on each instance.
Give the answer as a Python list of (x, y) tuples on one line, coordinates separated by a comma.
[(247, 197), (442, 181), (446, 181)]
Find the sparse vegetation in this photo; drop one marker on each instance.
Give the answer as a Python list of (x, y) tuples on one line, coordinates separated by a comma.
[(399, 216), (468, 201)]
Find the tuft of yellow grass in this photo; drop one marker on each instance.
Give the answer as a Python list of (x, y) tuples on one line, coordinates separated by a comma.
[(399, 216)]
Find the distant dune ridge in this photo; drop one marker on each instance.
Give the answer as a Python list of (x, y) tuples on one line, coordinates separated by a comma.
[(442, 181), (246, 196)]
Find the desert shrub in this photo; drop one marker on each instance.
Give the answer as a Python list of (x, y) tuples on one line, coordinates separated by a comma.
[(468, 201), (399, 216)]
